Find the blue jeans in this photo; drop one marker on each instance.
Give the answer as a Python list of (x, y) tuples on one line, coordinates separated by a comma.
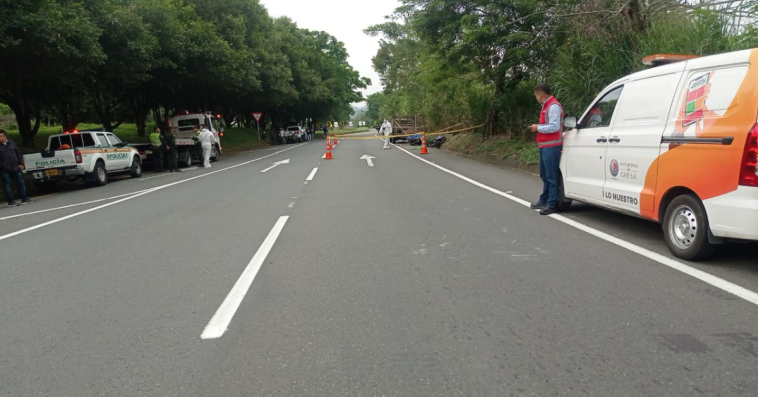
[(7, 175), (550, 168)]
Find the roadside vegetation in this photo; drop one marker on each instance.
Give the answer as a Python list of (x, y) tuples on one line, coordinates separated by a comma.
[(477, 62), (66, 64)]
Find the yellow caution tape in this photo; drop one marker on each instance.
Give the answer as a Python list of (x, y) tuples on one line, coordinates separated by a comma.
[(441, 132)]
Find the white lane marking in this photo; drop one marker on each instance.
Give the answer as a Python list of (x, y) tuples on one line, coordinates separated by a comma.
[(72, 205), (292, 205), (220, 321), (312, 175), (157, 176), (155, 189), (278, 163), (708, 278), (368, 160)]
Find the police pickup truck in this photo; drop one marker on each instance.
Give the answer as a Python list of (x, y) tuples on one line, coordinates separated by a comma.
[(92, 156)]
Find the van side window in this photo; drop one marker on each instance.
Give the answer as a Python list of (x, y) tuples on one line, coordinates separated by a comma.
[(601, 113)]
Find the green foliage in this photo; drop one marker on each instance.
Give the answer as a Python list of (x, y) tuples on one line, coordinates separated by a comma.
[(116, 61), (477, 61)]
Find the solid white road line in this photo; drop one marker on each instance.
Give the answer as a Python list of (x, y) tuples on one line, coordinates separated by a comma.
[(708, 278), (72, 205), (312, 175), (220, 321), (157, 176), (155, 189)]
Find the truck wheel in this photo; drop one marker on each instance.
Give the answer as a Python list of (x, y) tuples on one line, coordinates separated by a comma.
[(563, 203), (98, 177), (187, 158), (685, 227), (216, 155), (136, 168)]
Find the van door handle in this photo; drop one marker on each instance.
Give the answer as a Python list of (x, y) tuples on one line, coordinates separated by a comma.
[(602, 139), (614, 139)]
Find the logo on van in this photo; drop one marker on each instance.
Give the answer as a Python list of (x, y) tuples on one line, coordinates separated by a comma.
[(695, 102), (614, 168)]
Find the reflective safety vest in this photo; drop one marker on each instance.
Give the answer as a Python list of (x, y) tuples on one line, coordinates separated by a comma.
[(155, 139), (555, 138)]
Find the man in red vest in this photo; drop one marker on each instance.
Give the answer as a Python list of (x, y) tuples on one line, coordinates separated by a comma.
[(550, 140)]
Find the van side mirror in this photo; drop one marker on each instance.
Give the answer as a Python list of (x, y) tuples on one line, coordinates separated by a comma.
[(570, 122)]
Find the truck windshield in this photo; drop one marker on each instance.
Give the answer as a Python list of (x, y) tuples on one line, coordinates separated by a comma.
[(189, 122)]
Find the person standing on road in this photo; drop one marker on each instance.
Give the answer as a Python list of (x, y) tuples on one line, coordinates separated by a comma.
[(386, 129), (326, 131), (171, 151), (550, 140), (156, 146), (205, 139), (11, 165)]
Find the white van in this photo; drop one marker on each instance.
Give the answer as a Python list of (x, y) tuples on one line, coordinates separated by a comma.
[(676, 144)]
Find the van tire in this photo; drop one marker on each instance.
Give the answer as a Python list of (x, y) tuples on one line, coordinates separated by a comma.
[(563, 203), (186, 158), (685, 228), (136, 171), (98, 176)]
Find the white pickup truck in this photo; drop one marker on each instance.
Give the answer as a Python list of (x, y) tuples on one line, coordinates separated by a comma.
[(92, 156)]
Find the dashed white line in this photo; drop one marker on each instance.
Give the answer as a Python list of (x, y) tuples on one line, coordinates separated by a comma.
[(41, 225), (220, 321), (708, 278), (312, 175)]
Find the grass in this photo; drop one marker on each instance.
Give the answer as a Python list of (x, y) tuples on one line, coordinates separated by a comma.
[(495, 149)]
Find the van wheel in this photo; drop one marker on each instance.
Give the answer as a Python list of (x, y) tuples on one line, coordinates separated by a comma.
[(99, 177), (685, 228), (136, 171), (563, 203)]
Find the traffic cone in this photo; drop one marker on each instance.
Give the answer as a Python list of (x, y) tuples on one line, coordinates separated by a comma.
[(336, 142), (423, 145), (328, 150)]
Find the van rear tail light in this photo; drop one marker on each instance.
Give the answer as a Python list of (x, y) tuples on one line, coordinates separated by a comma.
[(749, 165), (78, 156)]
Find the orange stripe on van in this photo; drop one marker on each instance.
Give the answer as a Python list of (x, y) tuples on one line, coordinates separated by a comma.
[(707, 170)]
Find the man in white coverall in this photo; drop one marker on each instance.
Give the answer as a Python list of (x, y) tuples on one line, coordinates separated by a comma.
[(206, 140), (386, 129)]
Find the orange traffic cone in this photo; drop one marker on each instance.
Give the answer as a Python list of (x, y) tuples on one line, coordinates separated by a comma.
[(423, 145), (328, 150), (336, 142)]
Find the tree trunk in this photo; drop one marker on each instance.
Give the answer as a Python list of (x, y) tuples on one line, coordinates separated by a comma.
[(140, 114), (633, 11), (23, 113)]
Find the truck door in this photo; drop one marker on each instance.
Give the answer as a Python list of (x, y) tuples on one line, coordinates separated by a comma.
[(118, 155), (635, 139), (585, 147)]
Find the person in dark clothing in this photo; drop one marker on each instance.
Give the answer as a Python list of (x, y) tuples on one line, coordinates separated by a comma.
[(11, 165), (171, 150)]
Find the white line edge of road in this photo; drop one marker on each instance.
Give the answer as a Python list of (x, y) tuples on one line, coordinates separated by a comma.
[(312, 175), (225, 313), (71, 205), (41, 225), (708, 278)]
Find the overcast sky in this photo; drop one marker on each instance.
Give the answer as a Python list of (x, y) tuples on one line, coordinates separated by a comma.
[(345, 20)]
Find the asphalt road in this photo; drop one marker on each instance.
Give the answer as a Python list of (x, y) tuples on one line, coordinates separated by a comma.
[(401, 279)]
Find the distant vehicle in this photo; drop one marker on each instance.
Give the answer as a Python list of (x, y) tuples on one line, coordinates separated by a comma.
[(92, 156), (185, 138), (406, 125), (294, 134), (676, 144)]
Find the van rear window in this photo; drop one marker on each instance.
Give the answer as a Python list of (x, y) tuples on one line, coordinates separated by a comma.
[(189, 122)]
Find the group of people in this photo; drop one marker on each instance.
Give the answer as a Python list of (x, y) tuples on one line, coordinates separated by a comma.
[(163, 145)]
